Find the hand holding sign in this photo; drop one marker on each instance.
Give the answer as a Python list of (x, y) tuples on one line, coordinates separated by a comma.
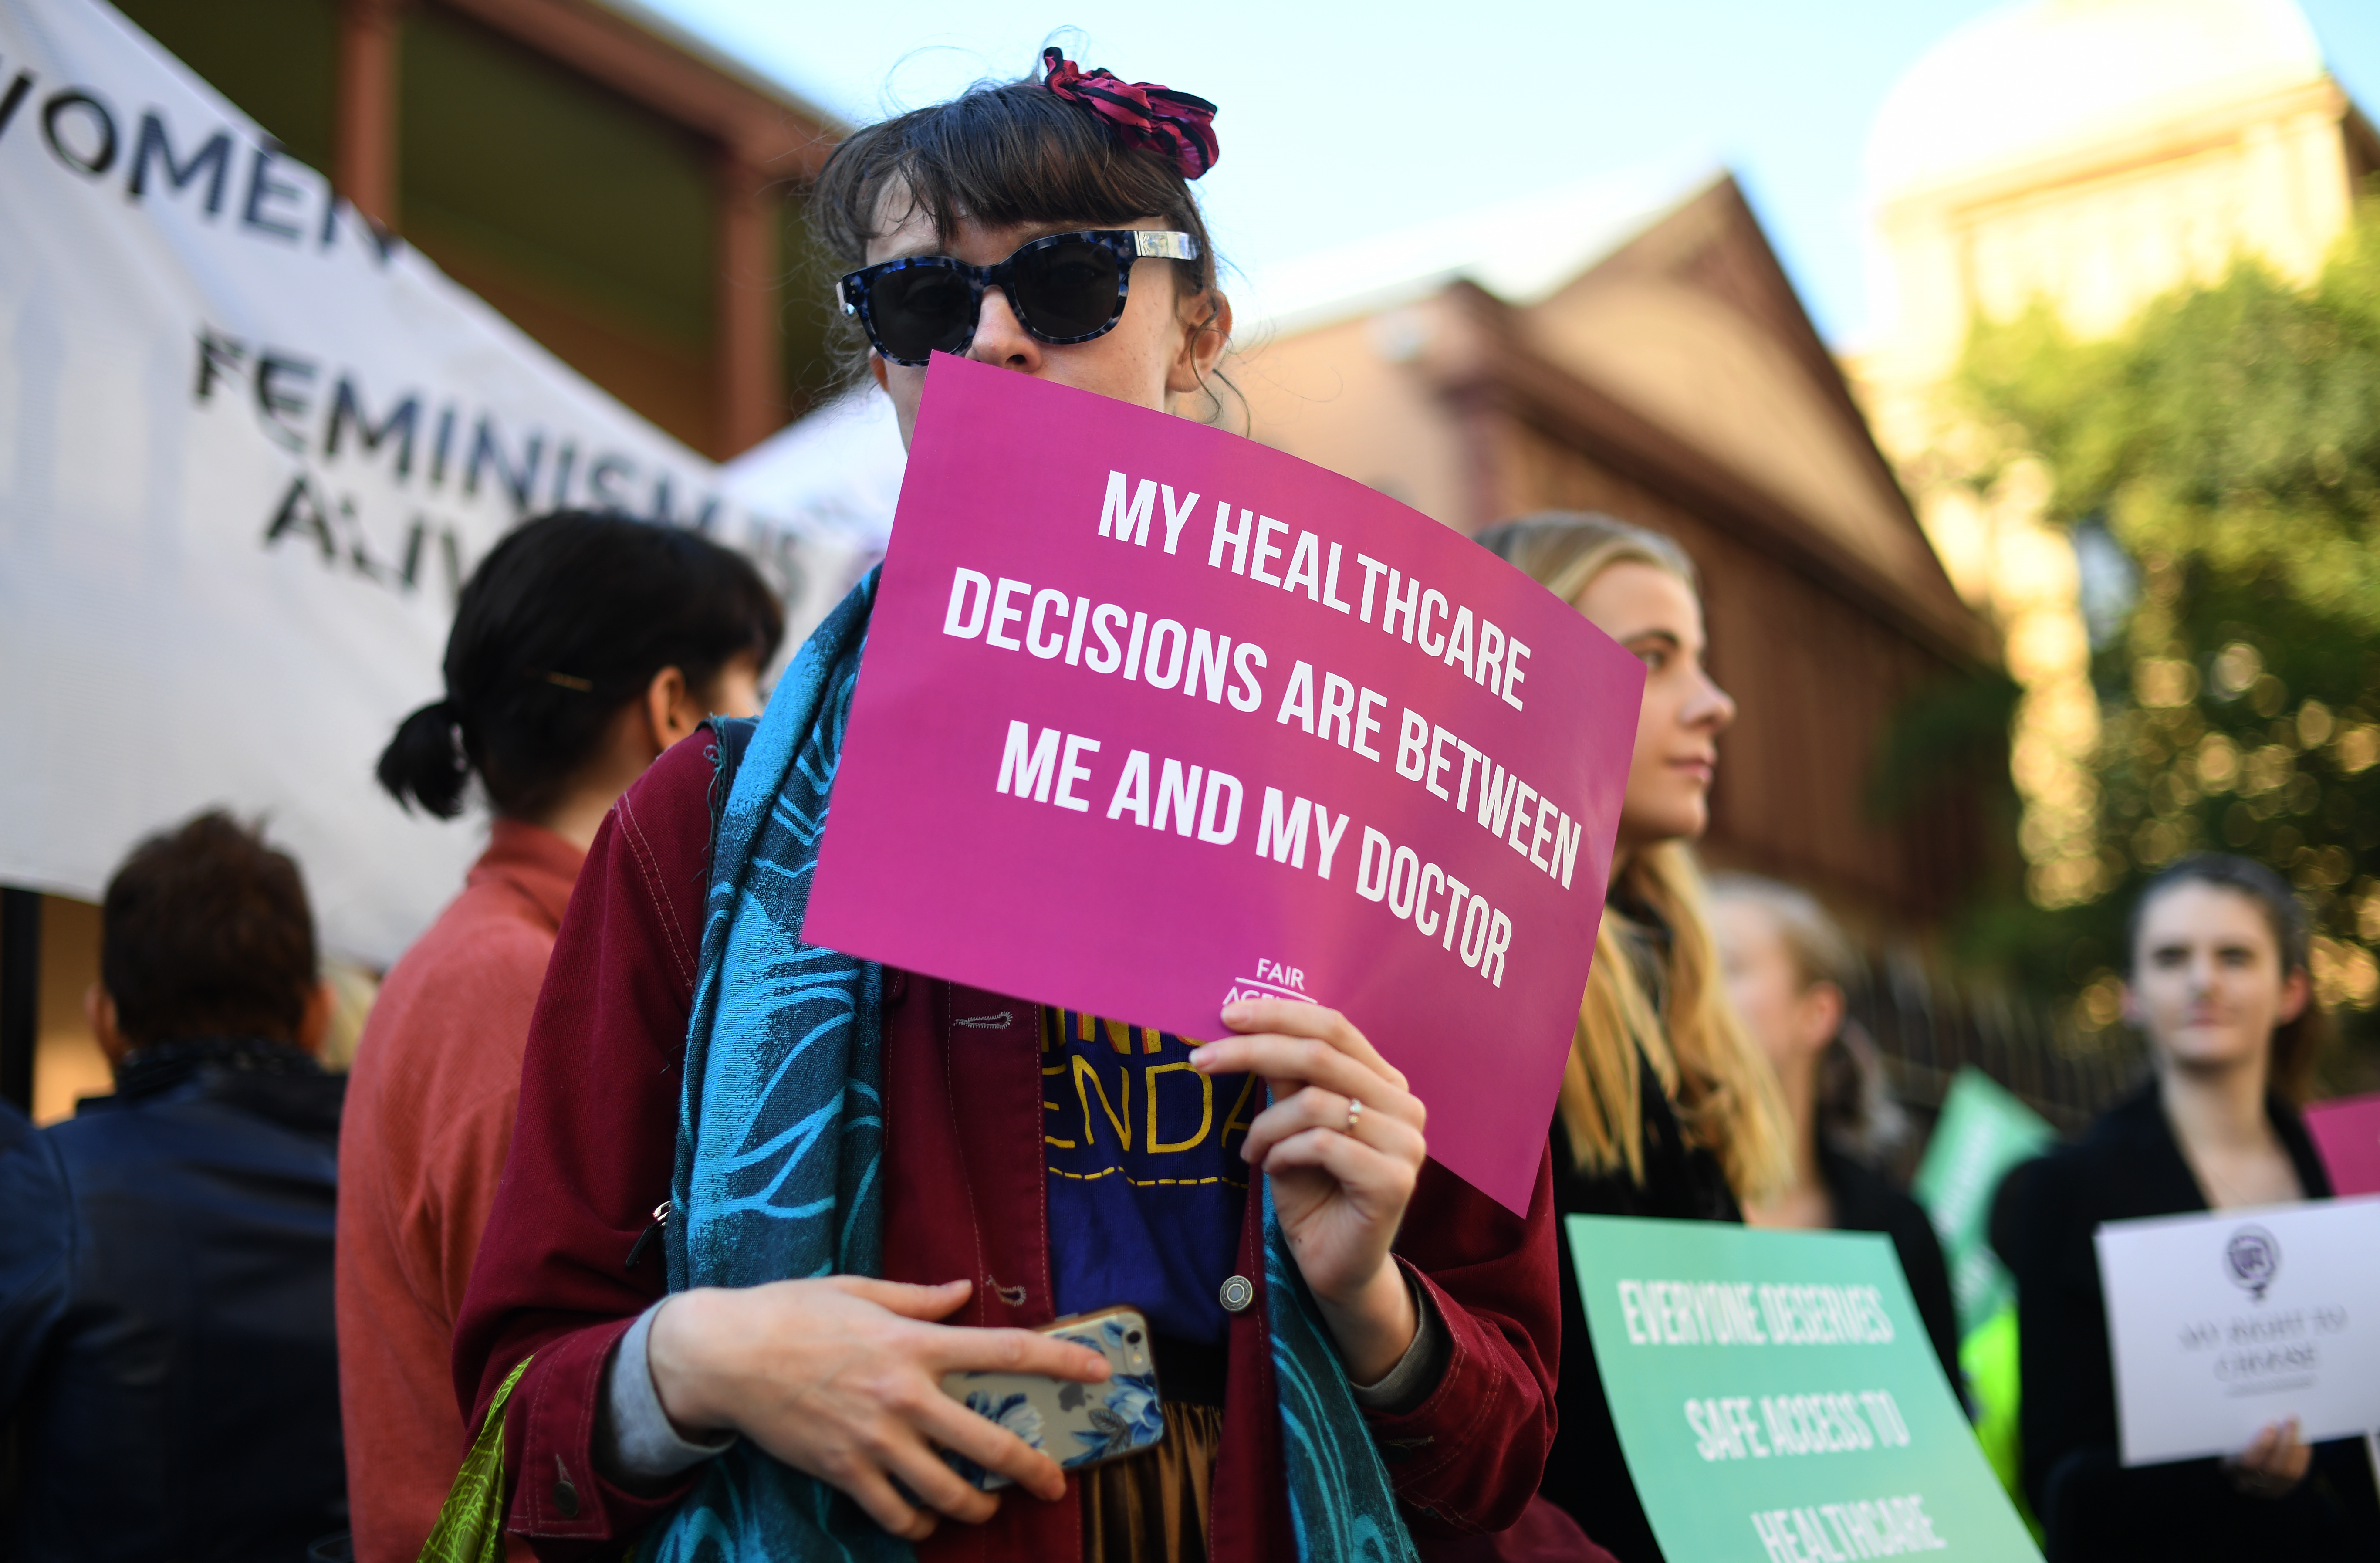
[(1154, 718), (1343, 1145), (2275, 1462)]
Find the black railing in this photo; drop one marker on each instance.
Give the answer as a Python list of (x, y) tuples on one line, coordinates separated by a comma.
[(1929, 1027)]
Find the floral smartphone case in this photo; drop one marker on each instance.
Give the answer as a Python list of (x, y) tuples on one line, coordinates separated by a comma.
[(1078, 1425)]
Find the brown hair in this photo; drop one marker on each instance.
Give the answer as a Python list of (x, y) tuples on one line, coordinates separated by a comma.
[(1724, 1093), (1856, 1111), (2295, 1043), (206, 931), (1000, 153)]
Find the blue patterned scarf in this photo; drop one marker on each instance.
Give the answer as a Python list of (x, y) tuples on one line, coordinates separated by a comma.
[(782, 1128)]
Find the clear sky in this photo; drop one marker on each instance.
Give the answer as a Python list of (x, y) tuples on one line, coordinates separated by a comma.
[(1339, 121)]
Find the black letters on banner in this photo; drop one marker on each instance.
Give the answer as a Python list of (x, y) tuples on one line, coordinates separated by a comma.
[(383, 243), (287, 398), (219, 359), (347, 410), (302, 512), (16, 94), (605, 478), (214, 153), (80, 131), (261, 188), (306, 512), (664, 514), (284, 385), (485, 447), (55, 110)]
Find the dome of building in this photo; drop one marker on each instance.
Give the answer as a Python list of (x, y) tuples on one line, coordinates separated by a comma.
[(2039, 76)]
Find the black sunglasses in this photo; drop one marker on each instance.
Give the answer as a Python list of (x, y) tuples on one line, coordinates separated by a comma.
[(1067, 287)]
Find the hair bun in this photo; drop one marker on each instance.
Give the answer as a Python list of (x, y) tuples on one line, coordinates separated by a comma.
[(424, 763)]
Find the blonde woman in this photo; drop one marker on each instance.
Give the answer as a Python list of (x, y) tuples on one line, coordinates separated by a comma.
[(1667, 1109), (1790, 972)]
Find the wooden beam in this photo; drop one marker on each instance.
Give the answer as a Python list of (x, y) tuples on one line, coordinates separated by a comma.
[(748, 352), (671, 76), (364, 138)]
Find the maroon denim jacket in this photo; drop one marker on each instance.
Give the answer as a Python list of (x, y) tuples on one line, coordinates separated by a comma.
[(964, 1195)]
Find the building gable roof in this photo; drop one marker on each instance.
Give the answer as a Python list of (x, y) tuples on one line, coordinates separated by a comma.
[(1693, 326)]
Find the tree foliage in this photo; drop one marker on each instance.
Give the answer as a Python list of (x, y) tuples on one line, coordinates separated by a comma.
[(2230, 441)]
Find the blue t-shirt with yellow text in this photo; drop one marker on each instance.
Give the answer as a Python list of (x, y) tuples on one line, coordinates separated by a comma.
[(1146, 1187)]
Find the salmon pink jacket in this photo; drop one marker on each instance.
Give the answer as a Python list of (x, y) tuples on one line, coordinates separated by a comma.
[(964, 1195)]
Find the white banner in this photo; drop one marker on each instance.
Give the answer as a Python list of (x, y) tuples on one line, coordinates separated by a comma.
[(249, 449), (837, 472)]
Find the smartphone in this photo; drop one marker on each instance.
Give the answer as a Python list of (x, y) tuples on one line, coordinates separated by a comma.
[(1078, 1425)]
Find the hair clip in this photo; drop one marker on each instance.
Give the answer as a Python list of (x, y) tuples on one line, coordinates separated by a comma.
[(1142, 113)]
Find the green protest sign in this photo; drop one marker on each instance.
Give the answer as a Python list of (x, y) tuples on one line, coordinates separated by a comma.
[(1777, 1399), (1983, 1130)]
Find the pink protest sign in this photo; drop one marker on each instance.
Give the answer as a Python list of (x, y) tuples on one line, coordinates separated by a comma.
[(2347, 1132), (1152, 716)]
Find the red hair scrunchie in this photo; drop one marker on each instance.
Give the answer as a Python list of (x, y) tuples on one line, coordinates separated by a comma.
[(1142, 113)]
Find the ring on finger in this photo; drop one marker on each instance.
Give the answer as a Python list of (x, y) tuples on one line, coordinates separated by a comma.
[(1355, 1116)]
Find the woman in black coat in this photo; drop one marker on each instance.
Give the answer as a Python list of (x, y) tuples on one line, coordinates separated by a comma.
[(2218, 982), (1788, 970)]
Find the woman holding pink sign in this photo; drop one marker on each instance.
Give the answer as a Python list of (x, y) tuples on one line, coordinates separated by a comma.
[(2220, 980), (861, 1180), (1667, 1109)]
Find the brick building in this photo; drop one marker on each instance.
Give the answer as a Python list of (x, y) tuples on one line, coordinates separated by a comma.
[(1657, 366)]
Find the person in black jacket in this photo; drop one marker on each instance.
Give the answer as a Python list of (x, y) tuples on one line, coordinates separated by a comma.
[(1790, 970), (170, 1363), (1667, 1108), (2219, 983), (33, 1245)]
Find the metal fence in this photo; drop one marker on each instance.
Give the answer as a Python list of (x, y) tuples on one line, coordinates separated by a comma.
[(1929, 1027)]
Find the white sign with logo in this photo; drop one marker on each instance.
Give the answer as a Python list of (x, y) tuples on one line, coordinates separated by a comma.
[(2225, 1321), (251, 446)]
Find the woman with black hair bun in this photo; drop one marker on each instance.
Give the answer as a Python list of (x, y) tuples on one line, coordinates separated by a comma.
[(2219, 981), (581, 641), (584, 646)]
